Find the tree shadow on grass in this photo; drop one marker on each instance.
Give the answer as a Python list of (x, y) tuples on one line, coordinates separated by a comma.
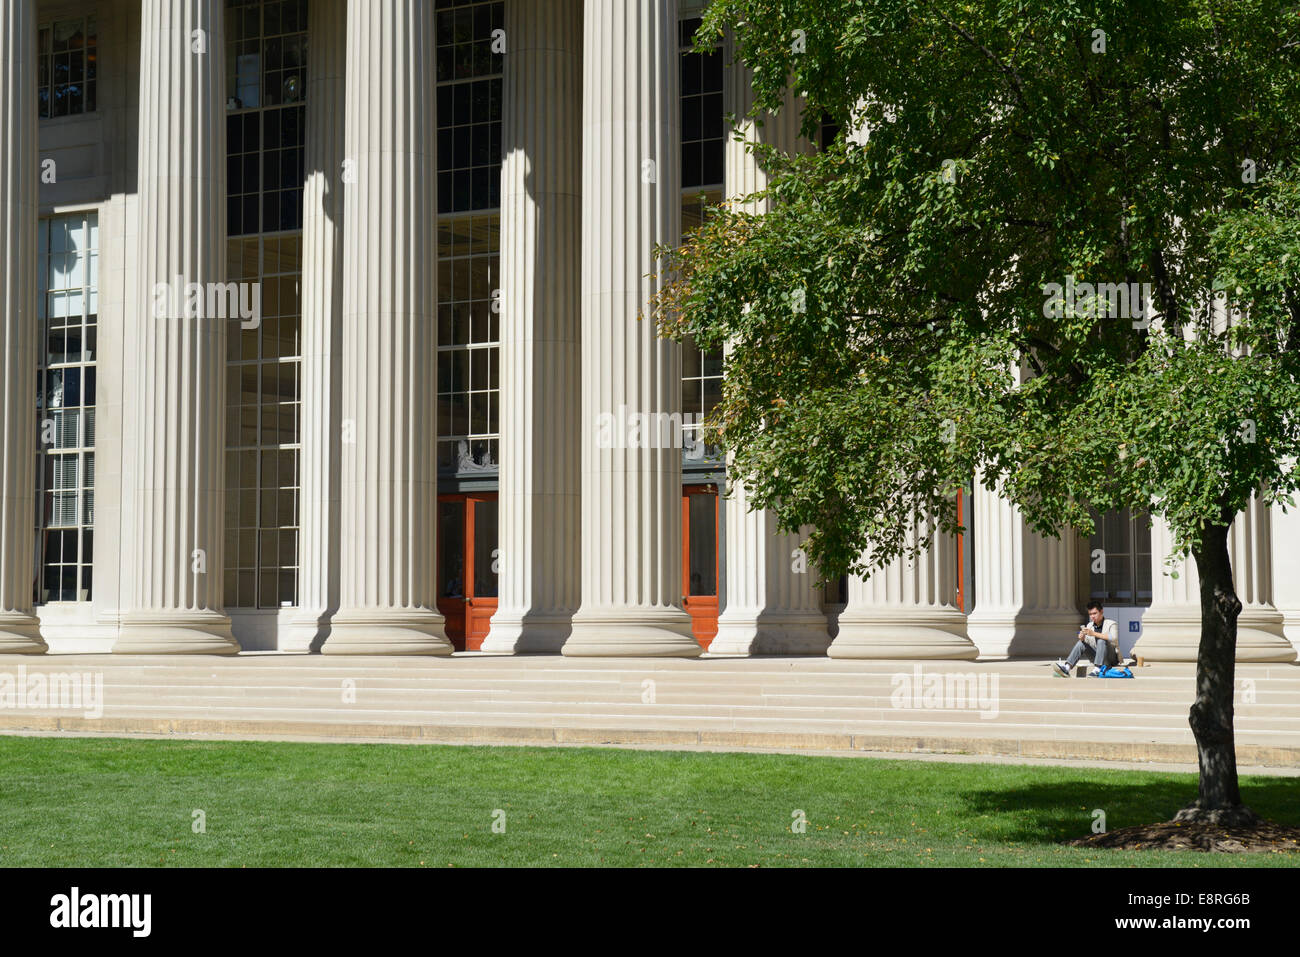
[(1055, 811)]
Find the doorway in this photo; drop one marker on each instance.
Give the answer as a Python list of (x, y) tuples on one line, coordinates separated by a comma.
[(700, 570), (468, 566)]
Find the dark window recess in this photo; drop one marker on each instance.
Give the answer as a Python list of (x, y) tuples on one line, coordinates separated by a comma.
[(265, 129), (469, 105)]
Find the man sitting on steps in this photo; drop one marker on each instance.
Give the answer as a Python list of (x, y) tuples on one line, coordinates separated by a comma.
[(1098, 633)]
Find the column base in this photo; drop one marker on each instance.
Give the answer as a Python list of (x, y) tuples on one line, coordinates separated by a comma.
[(769, 634), (373, 631), (1291, 625), (1032, 635), (636, 634), (1260, 638), (928, 637), (529, 635), (175, 633), (20, 634)]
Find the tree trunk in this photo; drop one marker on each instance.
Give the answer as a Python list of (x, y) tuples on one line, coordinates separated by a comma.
[(1219, 801)]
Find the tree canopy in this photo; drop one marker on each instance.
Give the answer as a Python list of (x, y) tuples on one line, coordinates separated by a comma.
[(921, 301)]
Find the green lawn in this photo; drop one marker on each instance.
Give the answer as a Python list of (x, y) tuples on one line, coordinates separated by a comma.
[(111, 802)]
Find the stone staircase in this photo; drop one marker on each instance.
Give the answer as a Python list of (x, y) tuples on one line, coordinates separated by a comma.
[(1009, 708)]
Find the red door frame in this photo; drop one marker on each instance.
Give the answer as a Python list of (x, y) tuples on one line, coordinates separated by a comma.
[(703, 609), (468, 618)]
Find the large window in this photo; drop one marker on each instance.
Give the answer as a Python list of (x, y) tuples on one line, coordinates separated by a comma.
[(703, 140), (66, 52), (469, 243), (1120, 558), (68, 307), (266, 50), (469, 338), (263, 417), (469, 106), (266, 77)]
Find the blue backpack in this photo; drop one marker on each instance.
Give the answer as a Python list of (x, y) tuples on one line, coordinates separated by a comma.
[(1114, 671)]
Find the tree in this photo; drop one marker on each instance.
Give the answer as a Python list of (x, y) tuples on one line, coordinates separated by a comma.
[(1061, 252)]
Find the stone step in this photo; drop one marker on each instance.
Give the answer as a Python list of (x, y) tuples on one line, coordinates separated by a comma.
[(404, 696), (1121, 726), (798, 668), (810, 704)]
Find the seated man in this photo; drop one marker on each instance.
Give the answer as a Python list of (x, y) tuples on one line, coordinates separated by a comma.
[(1098, 634)]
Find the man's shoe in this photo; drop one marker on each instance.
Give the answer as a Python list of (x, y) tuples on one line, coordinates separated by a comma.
[(1060, 669), (1094, 671)]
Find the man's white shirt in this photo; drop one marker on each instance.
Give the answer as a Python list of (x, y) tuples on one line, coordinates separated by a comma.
[(1108, 627)]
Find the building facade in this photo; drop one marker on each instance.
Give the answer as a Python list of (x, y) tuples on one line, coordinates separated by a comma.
[(323, 331)]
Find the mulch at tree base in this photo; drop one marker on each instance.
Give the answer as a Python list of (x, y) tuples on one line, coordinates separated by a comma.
[(1263, 837)]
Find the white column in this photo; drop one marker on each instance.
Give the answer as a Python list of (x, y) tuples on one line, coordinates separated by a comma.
[(19, 629), (1260, 634), (322, 327), (908, 609), (173, 544), (1286, 569), (1026, 585), (541, 272), (389, 484), (772, 604), (1171, 627), (631, 496)]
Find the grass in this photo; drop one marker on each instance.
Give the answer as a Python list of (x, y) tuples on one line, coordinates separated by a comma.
[(117, 802)]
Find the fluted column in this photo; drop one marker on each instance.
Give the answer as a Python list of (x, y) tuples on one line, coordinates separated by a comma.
[(1286, 569), (1260, 634), (322, 326), (1026, 600), (631, 493), (772, 604), (19, 629), (541, 272), (908, 608), (173, 543), (1171, 627), (389, 485)]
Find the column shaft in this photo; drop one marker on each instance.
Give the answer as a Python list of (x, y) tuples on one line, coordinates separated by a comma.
[(631, 463), (1171, 627), (1026, 585), (322, 326), (389, 485), (19, 629), (174, 540), (908, 608), (772, 604), (1286, 569), (541, 272)]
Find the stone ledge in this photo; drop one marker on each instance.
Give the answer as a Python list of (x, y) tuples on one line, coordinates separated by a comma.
[(1248, 755)]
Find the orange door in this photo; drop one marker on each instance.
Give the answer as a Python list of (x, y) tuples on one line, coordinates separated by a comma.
[(467, 566), (700, 560), (483, 561)]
